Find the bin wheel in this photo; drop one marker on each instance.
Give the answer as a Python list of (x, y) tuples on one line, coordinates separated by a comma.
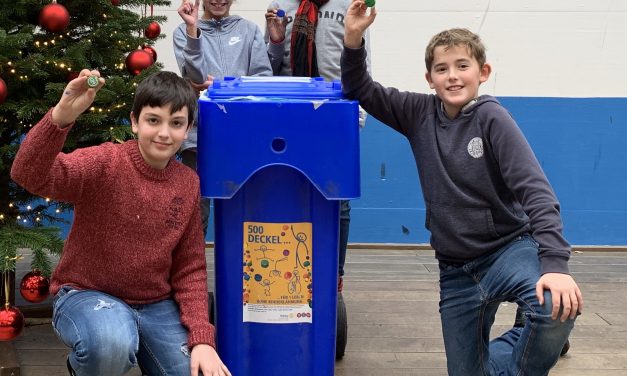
[(342, 328), (211, 307)]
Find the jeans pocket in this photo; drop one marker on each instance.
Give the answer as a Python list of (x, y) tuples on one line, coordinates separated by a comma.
[(59, 298)]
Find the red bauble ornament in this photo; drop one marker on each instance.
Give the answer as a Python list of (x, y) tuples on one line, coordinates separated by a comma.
[(4, 91), (34, 287), (115, 2), (54, 18), (11, 322), (151, 51), (152, 30), (137, 61)]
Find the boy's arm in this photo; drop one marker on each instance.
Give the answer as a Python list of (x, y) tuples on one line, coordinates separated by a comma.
[(39, 165), (189, 283), (275, 38), (523, 175), (399, 110), (189, 55), (275, 54), (189, 278), (259, 64)]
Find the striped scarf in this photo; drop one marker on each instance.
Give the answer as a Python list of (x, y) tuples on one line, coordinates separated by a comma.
[(303, 44)]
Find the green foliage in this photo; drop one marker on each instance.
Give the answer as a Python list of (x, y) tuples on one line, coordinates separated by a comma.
[(38, 239), (36, 65)]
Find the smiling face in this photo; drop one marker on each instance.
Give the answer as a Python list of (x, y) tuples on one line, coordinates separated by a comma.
[(160, 133), (455, 75), (217, 9)]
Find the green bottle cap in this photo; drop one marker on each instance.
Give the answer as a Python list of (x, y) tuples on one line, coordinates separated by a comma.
[(92, 81), (369, 3)]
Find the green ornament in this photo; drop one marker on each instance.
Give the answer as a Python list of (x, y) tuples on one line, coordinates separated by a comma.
[(369, 3), (92, 81)]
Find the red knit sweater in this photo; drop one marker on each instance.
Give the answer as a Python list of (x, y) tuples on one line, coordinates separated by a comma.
[(136, 233)]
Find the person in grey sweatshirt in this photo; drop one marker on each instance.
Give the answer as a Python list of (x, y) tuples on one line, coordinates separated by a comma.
[(215, 46), (494, 219), (329, 34)]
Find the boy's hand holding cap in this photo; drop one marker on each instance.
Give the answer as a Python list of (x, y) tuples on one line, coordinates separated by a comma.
[(77, 96), (92, 81)]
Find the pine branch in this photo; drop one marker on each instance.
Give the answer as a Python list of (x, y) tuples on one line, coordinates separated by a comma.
[(14, 237)]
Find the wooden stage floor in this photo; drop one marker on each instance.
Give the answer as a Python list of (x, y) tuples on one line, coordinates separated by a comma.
[(394, 327)]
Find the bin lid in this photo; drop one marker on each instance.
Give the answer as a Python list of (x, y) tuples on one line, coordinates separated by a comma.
[(275, 87)]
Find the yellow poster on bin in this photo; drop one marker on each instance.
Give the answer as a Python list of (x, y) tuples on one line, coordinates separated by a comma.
[(277, 272)]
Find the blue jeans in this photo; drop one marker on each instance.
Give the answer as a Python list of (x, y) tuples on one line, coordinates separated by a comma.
[(345, 220), (109, 337), (470, 295)]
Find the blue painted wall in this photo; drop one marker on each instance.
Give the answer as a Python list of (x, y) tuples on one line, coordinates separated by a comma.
[(581, 144)]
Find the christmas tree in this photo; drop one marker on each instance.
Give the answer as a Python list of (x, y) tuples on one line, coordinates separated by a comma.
[(43, 45)]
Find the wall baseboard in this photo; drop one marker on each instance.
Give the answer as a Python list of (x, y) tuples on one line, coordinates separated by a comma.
[(427, 247)]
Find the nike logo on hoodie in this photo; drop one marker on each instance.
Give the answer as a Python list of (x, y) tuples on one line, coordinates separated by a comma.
[(234, 40)]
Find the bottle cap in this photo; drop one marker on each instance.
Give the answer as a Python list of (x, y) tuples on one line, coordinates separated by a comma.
[(369, 3), (92, 81), (280, 13)]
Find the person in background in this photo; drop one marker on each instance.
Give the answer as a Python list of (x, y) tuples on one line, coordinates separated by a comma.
[(311, 49), (494, 219), (131, 285), (214, 46)]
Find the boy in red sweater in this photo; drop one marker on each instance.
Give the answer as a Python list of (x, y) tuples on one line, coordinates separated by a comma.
[(131, 285)]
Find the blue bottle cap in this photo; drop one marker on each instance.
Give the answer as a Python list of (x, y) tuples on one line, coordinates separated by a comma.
[(280, 13)]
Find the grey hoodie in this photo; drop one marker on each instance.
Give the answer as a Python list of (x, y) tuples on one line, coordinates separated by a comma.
[(329, 38), (481, 182), (232, 46)]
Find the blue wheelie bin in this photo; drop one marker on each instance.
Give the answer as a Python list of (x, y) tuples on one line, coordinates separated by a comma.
[(277, 154)]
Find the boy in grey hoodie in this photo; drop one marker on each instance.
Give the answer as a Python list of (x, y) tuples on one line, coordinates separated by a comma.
[(213, 47), (494, 219)]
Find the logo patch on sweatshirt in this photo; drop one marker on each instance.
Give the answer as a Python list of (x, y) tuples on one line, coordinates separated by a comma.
[(234, 41), (475, 147)]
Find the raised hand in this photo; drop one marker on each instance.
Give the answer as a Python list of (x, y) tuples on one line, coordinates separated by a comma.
[(77, 97), (356, 22), (189, 13), (276, 26)]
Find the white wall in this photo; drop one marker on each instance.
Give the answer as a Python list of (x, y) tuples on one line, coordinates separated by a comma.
[(557, 48)]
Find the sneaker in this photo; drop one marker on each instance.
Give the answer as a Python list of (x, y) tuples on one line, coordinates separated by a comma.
[(69, 367), (565, 348), (340, 284), (519, 322)]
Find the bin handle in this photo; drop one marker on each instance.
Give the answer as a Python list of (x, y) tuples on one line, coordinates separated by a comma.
[(275, 79)]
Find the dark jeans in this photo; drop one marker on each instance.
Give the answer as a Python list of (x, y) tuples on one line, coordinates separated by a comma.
[(469, 298), (345, 220)]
